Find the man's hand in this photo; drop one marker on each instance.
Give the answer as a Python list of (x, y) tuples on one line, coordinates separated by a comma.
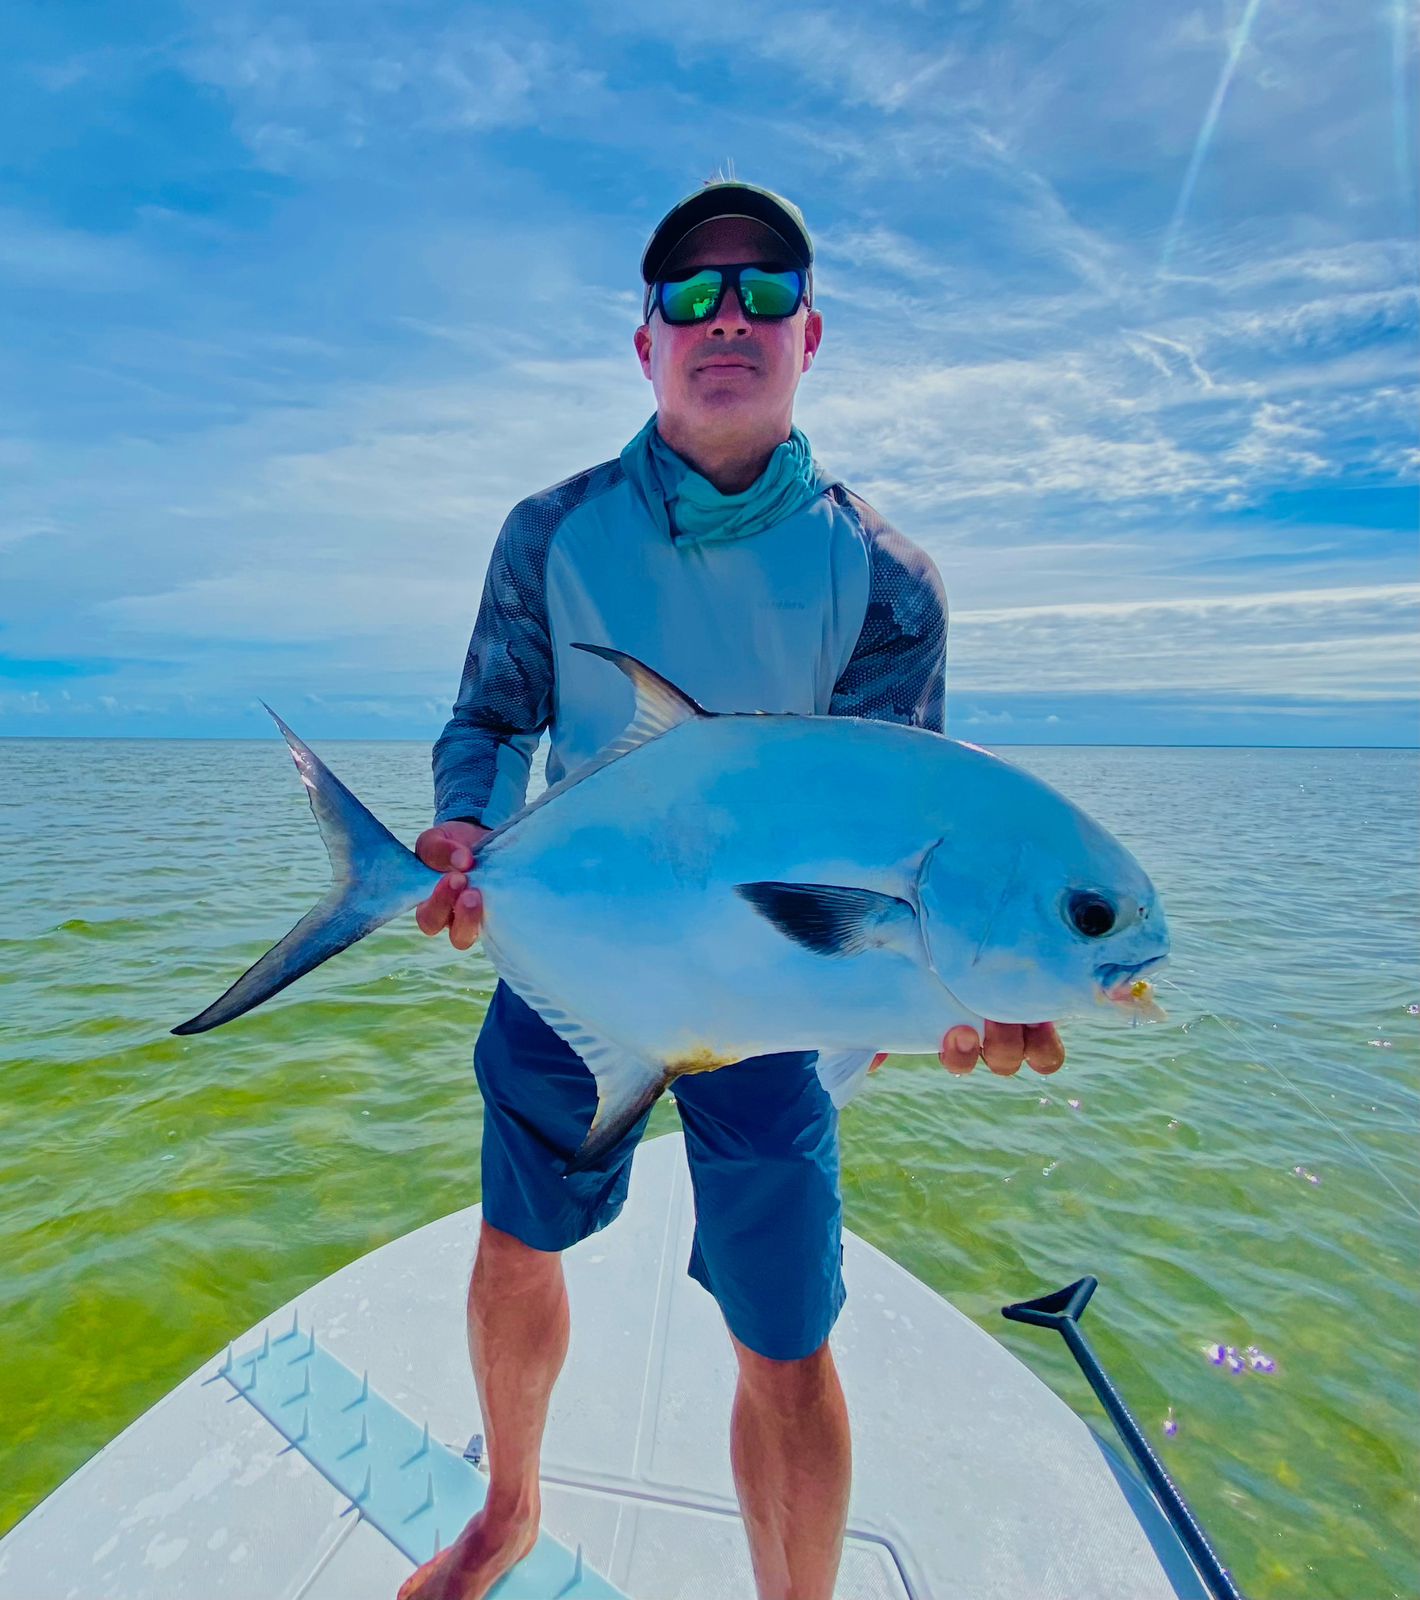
[(449, 848), (1007, 1045)]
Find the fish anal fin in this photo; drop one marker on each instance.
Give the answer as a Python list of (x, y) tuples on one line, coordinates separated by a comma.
[(832, 920), (660, 706), (628, 1084), (627, 1088)]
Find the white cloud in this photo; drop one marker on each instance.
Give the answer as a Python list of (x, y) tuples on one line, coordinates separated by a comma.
[(1356, 265), (442, 462), (1172, 358), (865, 63), (881, 247), (1181, 408), (298, 90), (1358, 645), (293, 604), (1404, 595)]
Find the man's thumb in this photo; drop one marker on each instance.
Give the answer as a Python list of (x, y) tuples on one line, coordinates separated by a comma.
[(434, 847)]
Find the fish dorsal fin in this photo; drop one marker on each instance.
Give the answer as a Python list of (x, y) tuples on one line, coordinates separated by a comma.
[(660, 706), (831, 920)]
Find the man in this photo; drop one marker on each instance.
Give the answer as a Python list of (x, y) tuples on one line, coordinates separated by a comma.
[(717, 551)]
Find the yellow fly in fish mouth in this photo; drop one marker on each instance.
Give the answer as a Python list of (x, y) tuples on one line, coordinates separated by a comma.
[(1137, 997)]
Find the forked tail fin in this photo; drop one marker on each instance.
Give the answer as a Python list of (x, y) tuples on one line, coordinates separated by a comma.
[(373, 878)]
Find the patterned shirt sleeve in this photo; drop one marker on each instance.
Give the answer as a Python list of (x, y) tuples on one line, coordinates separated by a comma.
[(506, 696), (482, 757), (897, 672)]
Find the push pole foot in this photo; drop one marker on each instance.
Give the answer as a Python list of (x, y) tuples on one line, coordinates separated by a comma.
[(1050, 1310)]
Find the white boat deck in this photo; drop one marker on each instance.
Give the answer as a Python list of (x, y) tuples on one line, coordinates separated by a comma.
[(972, 1481)]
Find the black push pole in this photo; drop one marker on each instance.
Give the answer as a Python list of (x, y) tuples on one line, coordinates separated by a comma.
[(1062, 1311)]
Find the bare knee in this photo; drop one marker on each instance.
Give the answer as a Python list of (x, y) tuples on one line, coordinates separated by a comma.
[(787, 1385), (515, 1265)]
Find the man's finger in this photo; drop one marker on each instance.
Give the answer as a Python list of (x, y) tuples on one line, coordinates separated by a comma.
[(433, 914), (1005, 1047), (1044, 1051), (961, 1049), (468, 918)]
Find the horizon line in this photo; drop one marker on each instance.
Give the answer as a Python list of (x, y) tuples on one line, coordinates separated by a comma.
[(1016, 744)]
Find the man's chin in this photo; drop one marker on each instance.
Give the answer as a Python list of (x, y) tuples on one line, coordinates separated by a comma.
[(738, 388), (718, 390), (723, 404)]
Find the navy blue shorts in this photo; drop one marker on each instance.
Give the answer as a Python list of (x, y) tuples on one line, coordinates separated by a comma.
[(762, 1138)]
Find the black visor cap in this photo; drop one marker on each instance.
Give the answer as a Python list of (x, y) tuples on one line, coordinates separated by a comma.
[(727, 199)]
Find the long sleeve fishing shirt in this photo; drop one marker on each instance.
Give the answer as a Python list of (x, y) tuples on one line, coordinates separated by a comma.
[(830, 611)]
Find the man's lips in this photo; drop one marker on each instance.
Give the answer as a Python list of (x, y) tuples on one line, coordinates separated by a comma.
[(726, 364)]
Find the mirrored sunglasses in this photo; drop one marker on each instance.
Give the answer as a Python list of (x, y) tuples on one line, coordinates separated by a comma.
[(766, 294)]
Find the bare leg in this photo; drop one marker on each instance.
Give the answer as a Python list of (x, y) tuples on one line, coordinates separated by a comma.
[(792, 1458), (517, 1339)]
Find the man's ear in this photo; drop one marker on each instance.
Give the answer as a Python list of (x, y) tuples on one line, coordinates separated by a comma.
[(813, 337), (643, 348)]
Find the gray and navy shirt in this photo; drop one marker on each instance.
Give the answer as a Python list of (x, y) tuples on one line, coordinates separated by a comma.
[(828, 612)]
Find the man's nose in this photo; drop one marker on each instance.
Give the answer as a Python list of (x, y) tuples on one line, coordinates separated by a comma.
[(730, 320)]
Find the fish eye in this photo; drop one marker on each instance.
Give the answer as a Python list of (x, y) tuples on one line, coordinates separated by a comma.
[(1090, 913)]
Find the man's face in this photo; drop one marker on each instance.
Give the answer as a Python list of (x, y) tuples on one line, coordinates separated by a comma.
[(729, 372)]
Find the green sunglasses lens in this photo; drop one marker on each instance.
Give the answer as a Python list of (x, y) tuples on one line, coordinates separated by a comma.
[(691, 299), (770, 294)]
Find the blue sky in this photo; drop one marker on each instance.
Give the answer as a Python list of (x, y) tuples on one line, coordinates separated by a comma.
[(296, 302)]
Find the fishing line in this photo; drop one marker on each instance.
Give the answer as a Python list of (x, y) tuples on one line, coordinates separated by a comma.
[(1070, 1190), (1336, 1128)]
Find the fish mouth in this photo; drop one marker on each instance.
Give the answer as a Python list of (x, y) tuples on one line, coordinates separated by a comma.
[(1128, 988)]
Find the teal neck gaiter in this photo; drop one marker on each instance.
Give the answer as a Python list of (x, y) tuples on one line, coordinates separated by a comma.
[(695, 510)]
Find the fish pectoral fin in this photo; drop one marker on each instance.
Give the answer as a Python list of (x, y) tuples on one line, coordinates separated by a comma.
[(831, 920), (843, 1073), (660, 706)]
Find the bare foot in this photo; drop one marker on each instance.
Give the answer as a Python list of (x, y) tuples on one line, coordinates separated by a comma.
[(469, 1567)]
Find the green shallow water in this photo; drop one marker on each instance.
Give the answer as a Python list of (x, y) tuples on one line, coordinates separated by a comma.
[(158, 1194)]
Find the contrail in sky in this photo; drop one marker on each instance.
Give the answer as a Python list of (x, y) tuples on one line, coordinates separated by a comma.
[(1210, 122), (1400, 106)]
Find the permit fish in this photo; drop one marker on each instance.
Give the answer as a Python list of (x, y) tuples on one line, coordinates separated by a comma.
[(720, 885)]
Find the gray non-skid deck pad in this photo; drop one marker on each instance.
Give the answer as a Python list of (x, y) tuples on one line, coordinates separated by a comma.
[(972, 1481), (414, 1489)]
